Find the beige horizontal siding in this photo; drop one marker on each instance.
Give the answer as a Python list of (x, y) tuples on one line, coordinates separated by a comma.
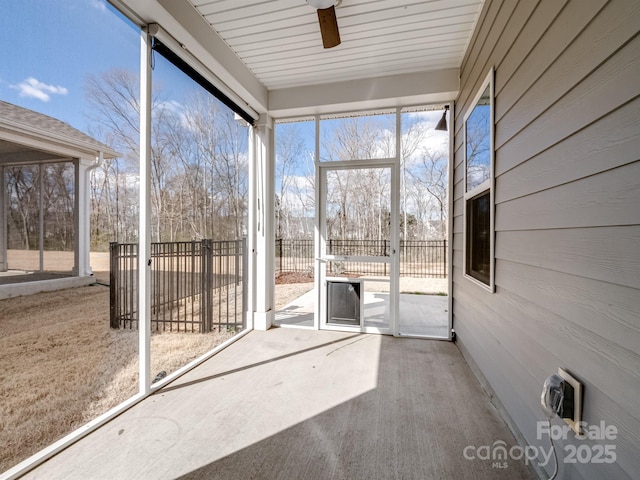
[(567, 214)]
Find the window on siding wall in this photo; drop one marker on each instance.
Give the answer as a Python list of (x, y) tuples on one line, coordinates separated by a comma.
[(478, 181), (478, 233)]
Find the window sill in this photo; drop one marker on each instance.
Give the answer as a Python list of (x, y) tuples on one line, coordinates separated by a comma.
[(489, 288)]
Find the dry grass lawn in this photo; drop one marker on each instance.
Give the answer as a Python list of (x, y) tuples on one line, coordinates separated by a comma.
[(62, 365)]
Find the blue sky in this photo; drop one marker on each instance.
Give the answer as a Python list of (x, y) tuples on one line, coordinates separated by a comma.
[(48, 47)]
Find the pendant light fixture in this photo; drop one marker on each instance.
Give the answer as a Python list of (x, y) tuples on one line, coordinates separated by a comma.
[(442, 124)]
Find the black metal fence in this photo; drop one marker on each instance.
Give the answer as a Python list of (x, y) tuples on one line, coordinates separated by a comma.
[(195, 286), (294, 256), (418, 258)]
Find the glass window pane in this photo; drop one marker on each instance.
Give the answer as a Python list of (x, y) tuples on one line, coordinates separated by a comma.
[(424, 166), (356, 219), (52, 187), (423, 177), (362, 137), (295, 222), (295, 180), (478, 237), (199, 194), (478, 142), (66, 64)]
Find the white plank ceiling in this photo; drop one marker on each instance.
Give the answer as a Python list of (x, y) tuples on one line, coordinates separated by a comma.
[(279, 40)]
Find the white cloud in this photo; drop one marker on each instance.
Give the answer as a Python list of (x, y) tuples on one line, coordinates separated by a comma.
[(176, 108), (172, 106), (99, 5), (34, 88), (432, 141)]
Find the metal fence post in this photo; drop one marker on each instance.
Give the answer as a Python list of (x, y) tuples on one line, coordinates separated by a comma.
[(207, 255), (444, 256), (279, 240), (114, 321), (131, 285)]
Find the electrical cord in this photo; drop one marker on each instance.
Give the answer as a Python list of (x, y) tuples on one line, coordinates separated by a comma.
[(553, 446)]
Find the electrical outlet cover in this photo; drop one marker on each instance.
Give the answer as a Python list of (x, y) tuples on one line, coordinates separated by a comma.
[(574, 422)]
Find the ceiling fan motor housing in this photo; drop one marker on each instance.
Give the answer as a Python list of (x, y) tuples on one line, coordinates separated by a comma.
[(323, 4)]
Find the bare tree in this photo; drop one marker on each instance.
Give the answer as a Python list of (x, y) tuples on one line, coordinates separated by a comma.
[(413, 136), (361, 197), (431, 176), (231, 171), (46, 190), (113, 100), (199, 164), (114, 111), (289, 157), (21, 184), (477, 145), (358, 201), (215, 156)]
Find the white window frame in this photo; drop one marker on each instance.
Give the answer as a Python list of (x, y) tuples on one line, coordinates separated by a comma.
[(487, 185)]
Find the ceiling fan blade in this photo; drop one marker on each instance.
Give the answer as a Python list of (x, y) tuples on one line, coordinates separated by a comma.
[(329, 27)]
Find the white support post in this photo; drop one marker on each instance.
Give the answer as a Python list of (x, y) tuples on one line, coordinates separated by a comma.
[(41, 217), (77, 220), (144, 223), (252, 215), (82, 217), (3, 222), (264, 224), (397, 177), (450, 198), (318, 233)]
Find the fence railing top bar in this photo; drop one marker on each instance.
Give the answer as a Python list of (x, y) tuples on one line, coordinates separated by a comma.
[(182, 243), (354, 240)]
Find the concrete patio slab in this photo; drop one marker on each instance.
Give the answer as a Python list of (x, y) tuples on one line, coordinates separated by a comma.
[(302, 404), (420, 315)]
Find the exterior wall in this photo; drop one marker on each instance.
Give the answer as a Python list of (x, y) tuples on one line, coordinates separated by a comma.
[(567, 217)]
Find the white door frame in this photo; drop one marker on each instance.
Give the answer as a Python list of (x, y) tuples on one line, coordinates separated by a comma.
[(320, 229), (321, 256)]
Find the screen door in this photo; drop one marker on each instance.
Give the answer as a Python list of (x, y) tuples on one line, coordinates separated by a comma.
[(357, 251)]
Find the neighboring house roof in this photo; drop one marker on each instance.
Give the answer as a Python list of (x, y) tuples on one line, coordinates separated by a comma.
[(38, 132)]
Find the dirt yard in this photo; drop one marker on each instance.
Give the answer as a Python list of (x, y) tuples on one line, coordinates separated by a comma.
[(62, 365), (290, 286)]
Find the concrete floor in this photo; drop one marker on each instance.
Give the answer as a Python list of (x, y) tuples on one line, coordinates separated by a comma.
[(21, 276), (302, 404), (420, 315)]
